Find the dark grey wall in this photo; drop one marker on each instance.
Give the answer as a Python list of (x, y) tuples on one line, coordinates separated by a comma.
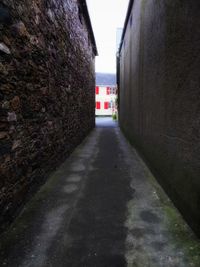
[(47, 86), (160, 95)]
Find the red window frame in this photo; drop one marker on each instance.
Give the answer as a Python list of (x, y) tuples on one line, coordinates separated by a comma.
[(97, 90), (106, 105), (108, 90), (98, 105)]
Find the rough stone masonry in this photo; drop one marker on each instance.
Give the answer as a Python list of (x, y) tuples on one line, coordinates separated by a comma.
[(47, 51)]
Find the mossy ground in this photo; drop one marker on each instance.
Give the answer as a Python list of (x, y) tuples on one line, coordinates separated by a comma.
[(182, 235)]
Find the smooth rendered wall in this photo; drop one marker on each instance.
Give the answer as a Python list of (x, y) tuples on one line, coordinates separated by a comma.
[(47, 92), (160, 95)]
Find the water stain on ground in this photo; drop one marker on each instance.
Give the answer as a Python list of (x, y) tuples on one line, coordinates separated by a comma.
[(149, 217), (141, 232), (97, 226), (74, 178), (78, 167), (138, 232), (101, 221), (70, 188), (158, 246)]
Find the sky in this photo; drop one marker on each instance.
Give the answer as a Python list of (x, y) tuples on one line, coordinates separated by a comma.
[(106, 16)]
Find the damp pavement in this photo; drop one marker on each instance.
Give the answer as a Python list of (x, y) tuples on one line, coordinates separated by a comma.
[(101, 208)]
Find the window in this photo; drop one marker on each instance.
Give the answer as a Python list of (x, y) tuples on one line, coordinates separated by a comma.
[(106, 105), (107, 90), (97, 90), (98, 105), (114, 90)]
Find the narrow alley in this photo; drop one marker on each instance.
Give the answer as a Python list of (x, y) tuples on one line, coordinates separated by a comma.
[(78, 190), (101, 208)]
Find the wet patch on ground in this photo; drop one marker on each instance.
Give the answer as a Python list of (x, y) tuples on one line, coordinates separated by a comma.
[(97, 227), (74, 178), (70, 188), (149, 217), (39, 234), (101, 208), (158, 246), (138, 232), (157, 235)]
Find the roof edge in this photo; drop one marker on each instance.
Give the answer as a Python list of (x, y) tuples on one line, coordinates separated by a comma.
[(89, 24), (126, 23), (106, 85)]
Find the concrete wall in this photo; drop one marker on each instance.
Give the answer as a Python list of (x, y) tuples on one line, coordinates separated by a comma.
[(47, 92), (160, 95)]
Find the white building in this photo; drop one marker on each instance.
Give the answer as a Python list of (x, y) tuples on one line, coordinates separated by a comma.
[(106, 94), (106, 97)]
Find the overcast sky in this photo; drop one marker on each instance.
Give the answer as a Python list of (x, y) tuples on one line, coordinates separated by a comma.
[(106, 16)]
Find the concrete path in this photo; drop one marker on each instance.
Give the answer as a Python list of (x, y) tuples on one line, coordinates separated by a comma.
[(101, 208)]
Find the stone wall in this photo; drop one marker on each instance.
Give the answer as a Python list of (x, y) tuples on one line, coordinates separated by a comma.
[(46, 92), (160, 95)]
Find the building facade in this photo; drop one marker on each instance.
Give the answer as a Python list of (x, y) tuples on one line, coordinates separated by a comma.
[(158, 76), (106, 100), (106, 94)]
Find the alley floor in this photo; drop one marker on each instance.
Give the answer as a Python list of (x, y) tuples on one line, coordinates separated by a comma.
[(101, 208)]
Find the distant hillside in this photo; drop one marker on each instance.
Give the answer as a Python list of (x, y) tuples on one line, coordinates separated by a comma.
[(105, 79)]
